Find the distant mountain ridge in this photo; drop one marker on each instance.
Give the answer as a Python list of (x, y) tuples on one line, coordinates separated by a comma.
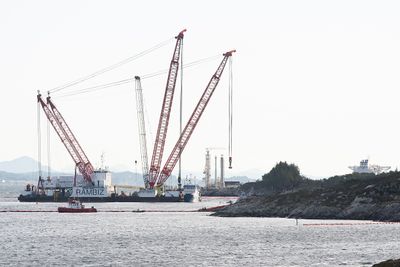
[(26, 169), (21, 165)]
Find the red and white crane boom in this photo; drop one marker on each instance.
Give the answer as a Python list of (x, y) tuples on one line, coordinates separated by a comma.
[(194, 119), (67, 138), (159, 143), (142, 131)]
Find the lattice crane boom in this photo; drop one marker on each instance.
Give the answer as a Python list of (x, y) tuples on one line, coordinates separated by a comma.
[(59, 131), (193, 120), (142, 131), (67, 138), (159, 143), (84, 166)]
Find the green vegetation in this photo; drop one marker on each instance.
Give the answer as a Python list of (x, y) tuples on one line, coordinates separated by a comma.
[(283, 176)]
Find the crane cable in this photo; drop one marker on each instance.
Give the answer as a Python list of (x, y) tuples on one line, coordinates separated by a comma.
[(48, 151), (39, 142), (98, 87), (230, 112), (111, 67), (130, 80), (39, 135), (148, 121), (180, 120), (188, 65)]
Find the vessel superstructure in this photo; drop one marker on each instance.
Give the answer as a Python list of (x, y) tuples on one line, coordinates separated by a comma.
[(191, 192), (365, 167)]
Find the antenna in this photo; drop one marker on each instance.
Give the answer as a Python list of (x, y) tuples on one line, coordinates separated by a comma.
[(102, 161)]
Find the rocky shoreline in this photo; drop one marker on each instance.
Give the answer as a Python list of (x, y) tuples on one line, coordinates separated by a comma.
[(388, 263), (376, 198)]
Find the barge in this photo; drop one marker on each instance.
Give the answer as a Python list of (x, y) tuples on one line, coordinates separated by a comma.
[(60, 189)]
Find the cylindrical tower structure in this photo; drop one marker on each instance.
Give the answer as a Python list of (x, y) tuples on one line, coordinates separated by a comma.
[(207, 170), (222, 182), (216, 173)]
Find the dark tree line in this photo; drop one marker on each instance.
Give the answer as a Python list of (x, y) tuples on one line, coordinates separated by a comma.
[(283, 176)]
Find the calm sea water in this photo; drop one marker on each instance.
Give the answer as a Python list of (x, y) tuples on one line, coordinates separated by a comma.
[(181, 237)]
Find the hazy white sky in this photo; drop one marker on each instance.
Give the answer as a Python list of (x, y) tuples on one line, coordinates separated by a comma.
[(316, 83)]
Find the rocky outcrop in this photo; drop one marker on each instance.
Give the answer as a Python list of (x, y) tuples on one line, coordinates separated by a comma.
[(388, 263), (377, 198)]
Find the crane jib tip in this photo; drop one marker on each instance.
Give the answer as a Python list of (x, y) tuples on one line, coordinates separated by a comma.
[(229, 53), (180, 35)]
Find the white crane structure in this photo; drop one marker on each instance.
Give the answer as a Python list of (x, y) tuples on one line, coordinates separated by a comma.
[(142, 131)]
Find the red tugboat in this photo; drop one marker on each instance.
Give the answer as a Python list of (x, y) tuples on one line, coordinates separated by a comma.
[(75, 206)]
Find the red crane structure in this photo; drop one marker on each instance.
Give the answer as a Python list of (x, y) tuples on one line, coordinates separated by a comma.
[(67, 138), (193, 120), (159, 143)]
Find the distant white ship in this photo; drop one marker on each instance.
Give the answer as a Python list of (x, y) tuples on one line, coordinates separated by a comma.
[(365, 167)]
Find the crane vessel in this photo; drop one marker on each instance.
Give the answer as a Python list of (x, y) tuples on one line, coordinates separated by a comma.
[(95, 185)]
